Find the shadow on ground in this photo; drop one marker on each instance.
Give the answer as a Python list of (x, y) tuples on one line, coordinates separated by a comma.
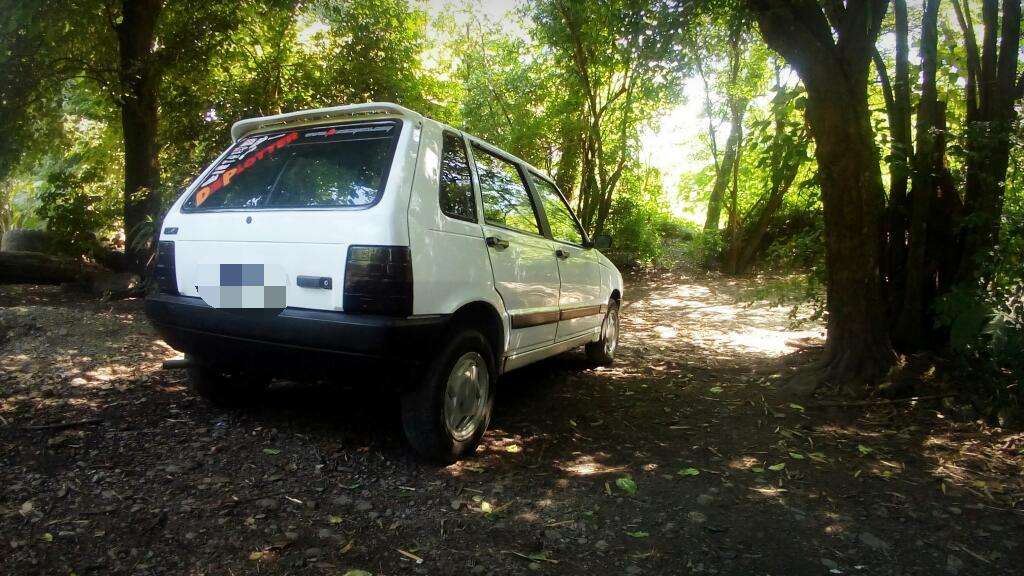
[(680, 459)]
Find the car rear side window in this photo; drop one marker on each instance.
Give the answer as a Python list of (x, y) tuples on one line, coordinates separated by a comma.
[(506, 200), (340, 166), (456, 189), (563, 226)]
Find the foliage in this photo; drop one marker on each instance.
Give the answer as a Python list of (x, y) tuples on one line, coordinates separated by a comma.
[(639, 219)]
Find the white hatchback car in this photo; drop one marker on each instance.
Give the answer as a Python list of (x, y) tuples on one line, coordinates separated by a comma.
[(371, 235)]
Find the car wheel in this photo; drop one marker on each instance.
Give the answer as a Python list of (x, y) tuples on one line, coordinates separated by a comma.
[(446, 414), (603, 351), (224, 388)]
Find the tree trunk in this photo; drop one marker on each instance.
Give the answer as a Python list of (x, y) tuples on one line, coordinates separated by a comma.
[(858, 346), (139, 82), (911, 328), (899, 161), (754, 234), (724, 176), (834, 68), (733, 255), (569, 160)]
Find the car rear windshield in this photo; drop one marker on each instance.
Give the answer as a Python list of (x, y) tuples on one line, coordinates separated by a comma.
[(339, 166)]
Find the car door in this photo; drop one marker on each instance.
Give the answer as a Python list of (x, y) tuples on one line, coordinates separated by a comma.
[(581, 297), (524, 266)]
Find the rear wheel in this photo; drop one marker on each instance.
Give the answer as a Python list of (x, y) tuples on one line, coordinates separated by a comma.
[(446, 414), (225, 388), (603, 351)]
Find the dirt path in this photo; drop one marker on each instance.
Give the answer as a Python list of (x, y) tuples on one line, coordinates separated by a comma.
[(678, 460)]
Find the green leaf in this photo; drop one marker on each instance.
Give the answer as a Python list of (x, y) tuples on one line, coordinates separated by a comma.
[(797, 407), (817, 456), (271, 451), (796, 455), (638, 534), (757, 470), (777, 467), (627, 485), (689, 472), (358, 573), (715, 390), (864, 450)]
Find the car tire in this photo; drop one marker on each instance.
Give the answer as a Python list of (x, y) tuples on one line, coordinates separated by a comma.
[(445, 415), (224, 388), (603, 351)]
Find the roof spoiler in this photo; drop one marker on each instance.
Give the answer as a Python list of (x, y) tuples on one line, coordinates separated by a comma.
[(243, 127)]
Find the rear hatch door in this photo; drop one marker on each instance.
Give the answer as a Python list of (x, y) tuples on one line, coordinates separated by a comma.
[(285, 205)]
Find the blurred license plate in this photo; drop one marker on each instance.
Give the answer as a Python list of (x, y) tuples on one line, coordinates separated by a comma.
[(243, 286)]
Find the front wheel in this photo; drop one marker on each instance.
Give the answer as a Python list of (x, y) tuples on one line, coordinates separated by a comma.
[(603, 351), (446, 414)]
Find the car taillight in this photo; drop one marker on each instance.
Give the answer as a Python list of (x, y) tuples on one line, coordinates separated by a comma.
[(164, 273), (378, 280)]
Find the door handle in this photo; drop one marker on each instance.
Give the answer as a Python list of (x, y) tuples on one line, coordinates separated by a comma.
[(562, 254), (496, 242)]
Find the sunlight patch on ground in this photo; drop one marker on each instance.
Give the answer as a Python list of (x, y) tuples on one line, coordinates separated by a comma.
[(588, 465), (711, 317)]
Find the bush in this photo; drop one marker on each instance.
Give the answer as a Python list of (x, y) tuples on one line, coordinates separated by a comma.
[(71, 207), (636, 226)]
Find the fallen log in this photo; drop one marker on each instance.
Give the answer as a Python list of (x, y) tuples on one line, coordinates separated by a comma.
[(39, 268)]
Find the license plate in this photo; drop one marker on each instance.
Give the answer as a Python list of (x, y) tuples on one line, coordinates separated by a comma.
[(243, 286)]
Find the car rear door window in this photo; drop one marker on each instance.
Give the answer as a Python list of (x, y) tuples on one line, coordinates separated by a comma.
[(456, 188), (564, 227), (505, 198)]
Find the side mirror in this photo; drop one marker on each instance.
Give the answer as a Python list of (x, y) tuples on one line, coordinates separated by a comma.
[(601, 241)]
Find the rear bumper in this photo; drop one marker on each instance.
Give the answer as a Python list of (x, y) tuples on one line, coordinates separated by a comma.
[(293, 340)]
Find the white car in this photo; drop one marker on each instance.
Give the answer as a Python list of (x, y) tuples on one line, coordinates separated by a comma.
[(369, 235)]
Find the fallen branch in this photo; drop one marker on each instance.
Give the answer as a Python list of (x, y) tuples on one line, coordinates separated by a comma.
[(65, 425), (878, 402)]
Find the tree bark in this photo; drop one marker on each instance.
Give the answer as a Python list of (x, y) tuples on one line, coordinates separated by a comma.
[(834, 69), (910, 330), (139, 78)]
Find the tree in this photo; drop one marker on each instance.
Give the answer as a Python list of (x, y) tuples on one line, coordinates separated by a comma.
[(830, 45), (740, 81), (622, 58), (992, 90), (896, 91), (910, 327), (138, 85), (123, 47), (781, 156)]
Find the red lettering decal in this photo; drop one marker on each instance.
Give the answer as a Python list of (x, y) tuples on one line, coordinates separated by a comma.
[(229, 175)]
